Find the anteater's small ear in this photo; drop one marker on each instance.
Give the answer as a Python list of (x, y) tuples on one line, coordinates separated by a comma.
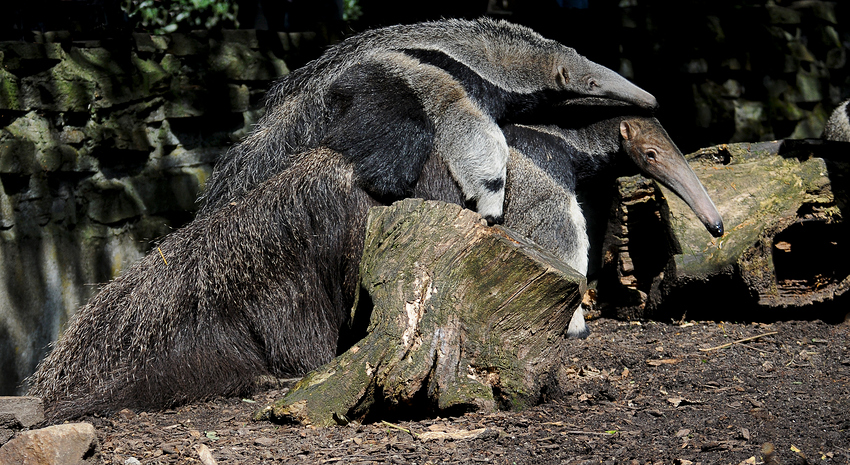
[(627, 130), (562, 75)]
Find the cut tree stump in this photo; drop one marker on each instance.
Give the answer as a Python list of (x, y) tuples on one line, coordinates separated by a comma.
[(463, 317), (784, 254)]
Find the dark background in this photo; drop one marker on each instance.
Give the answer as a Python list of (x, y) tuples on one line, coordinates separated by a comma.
[(697, 56)]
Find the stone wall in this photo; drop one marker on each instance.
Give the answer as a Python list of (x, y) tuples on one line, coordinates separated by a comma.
[(104, 147), (740, 71), (723, 71)]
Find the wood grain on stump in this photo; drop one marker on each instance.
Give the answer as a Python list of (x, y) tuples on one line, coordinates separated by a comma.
[(783, 255), (463, 317)]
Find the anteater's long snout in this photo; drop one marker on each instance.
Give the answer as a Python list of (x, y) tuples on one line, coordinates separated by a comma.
[(681, 179), (610, 84), (651, 148)]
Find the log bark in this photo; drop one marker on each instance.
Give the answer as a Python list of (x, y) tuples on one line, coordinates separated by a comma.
[(462, 317), (783, 255)]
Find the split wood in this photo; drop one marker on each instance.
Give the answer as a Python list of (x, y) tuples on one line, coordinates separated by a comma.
[(730, 344)]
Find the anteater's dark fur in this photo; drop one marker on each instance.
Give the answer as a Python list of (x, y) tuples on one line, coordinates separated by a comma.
[(265, 285), (261, 286)]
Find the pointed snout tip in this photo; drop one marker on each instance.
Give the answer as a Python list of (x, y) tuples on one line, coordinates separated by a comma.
[(651, 102), (715, 228)]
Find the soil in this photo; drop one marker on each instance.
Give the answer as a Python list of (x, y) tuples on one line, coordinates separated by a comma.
[(644, 393)]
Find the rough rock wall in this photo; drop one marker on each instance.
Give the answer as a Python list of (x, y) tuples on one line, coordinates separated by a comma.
[(104, 147), (739, 71)]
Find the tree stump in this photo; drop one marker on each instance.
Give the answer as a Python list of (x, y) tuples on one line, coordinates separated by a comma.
[(463, 317), (784, 254)]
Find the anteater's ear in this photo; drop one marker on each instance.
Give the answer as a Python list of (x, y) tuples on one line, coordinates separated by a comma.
[(562, 76), (628, 130)]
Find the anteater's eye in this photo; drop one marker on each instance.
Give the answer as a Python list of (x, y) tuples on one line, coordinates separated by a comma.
[(651, 155)]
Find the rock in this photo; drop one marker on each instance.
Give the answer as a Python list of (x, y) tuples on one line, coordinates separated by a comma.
[(750, 121), (68, 444), (8, 425), (809, 87), (104, 146), (27, 411), (782, 15), (264, 442)]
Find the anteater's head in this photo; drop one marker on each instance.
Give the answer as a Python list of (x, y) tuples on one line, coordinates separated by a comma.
[(648, 145), (519, 60), (577, 76)]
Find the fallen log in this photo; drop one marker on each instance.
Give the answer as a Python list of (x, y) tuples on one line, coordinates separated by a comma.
[(461, 317), (783, 255)]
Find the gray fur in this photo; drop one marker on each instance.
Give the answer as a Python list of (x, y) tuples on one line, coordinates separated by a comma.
[(837, 127), (265, 284), (449, 84), (262, 286), (548, 165)]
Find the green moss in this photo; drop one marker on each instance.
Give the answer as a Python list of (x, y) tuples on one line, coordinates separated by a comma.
[(755, 189), (170, 64), (151, 73), (96, 61), (9, 91), (74, 95)]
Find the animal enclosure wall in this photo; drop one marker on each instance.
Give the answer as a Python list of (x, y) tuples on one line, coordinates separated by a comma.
[(104, 148)]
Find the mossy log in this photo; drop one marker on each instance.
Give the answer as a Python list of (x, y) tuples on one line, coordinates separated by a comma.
[(463, 317), (784, 254)]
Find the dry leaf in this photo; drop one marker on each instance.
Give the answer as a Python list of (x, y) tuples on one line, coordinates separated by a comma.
[(783, 246), (205, 454)]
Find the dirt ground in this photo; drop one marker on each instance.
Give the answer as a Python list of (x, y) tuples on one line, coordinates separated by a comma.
[(645, 393)]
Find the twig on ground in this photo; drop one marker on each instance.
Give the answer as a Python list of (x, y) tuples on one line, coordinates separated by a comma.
[(392, 425), (746, 339), (594, 433)]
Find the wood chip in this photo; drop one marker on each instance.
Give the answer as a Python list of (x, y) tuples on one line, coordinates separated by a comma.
[(456, 434), (677, 401), (665, 361)]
